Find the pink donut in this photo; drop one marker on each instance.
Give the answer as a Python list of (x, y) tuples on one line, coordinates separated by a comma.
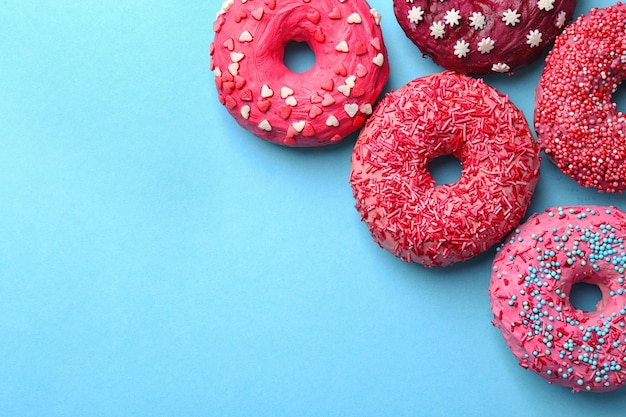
[(479, 37), (578, 126), (531, 280), (318, 107), (432, 116)]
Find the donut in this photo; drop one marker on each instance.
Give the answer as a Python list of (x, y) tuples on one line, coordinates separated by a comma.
[(443, 114), (532, 276), (481, 37), (318, 107), (577, 125)]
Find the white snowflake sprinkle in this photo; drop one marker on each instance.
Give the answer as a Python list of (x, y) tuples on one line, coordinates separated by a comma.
[(477, 20), (461, 49), (511, 17), (437, 29), (546, 5), (500, 67), (416, 14), (534, 38), (453, 17), (560, 19), (486, 45)]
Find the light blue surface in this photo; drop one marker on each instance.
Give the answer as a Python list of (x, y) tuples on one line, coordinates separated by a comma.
[(156, 259)]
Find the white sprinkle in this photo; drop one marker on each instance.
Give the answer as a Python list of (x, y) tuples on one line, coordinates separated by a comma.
[(233, 68), (511, 17), (415, 15), (485, 45), (560, 19), (379, 60), (534, 38), (354, 18), (285, 92), (437, 30), (245, 112), (351, 109), (299, 126), (350, 81), (344, 89), (291, 101), (546, 5), (461, 48), (342, 47), (265, 125), (332, 121), (366, 109), (500, 67), (245, 36), (453, 17), (377, 16), (236, 56), (266, 92), (477, 20)]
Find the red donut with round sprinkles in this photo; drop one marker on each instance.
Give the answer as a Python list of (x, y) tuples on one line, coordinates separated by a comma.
[(399, 201), (318, 107), (481, 37), (578, 125)]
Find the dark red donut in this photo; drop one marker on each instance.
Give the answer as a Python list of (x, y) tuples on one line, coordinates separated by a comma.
[(483, 36), (318, 107)]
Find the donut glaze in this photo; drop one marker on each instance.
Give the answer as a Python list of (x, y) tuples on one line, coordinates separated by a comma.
[(578, 126), (531, 280), (443, 114), (481, 37), (318, 107)]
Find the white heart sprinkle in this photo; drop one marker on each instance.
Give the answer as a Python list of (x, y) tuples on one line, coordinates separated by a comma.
[(299, 126), (265, 125), (344, 89), (245, 36), (236, 56), (366, 109), (285, 92), (245, 112), (233, 68), (217, 72), (342, 47), (354, 18), (351, 109), (291, 101), (379, 60), (266, 92), (351, 80), (332, 121)]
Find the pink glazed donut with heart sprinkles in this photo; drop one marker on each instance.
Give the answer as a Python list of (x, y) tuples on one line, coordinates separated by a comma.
[(532, 276), (481, 37), (318, 107), (578, 126), (399, 201)]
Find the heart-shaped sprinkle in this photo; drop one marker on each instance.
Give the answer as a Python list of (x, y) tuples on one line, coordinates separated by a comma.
[(351, 109), (263, 105), (344, 89), (265, 125), (246, 95), (341, 70), (328, 85), (354, 18), (236, 56), (257, 14), (245, 112), (240, 82), (284, 112), (315, 111), (308, 130), (299, 126), (328, 100), (314, 17), (228, 87), (342, 47), (366, 109), (271, 4), (266, 92), (319, 35), (357, 91), (379, 60), (332, 121), (315, 98), (291, 101), (361, 70), (375, 42), (230, 102), (233, 68), (245, 36), (229, 44), (335, 14), (285, 92), (351, 80), (360, 48)]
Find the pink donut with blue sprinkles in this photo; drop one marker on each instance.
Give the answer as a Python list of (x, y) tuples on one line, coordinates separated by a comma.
[(532, 276)]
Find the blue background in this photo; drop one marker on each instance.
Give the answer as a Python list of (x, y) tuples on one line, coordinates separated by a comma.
[(156, 259)]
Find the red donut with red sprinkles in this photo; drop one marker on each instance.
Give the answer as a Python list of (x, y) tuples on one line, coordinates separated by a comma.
[(577, 124), (399, 201), (318, 107), (481, 37)]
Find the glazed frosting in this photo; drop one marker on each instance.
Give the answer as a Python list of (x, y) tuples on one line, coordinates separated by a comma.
[(480, 37), (443, 114), (318, 107), (532, 276), (577, 124)]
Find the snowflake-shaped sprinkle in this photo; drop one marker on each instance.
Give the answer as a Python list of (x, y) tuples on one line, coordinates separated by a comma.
[(409, 1), (453, 17), (511, 17), (477, 20), (437, 29), (546, 5), (461, 49), (500, 67), (485, 45), (534, 38), (560, 19), (416, 15)]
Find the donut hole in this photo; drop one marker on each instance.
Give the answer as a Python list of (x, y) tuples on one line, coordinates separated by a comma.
[(619, 98), (445, 169), (298, 57), (585, 296)]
